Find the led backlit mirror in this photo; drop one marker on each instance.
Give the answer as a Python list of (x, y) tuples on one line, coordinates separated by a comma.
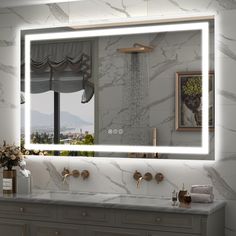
[(145, 90)]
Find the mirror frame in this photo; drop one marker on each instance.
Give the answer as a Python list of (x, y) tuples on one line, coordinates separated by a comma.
[(124, 29)]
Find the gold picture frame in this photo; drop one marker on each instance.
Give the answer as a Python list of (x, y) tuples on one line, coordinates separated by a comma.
[(188, 101)]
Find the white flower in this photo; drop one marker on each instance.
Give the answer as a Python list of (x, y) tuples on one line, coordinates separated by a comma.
[(13, 157)]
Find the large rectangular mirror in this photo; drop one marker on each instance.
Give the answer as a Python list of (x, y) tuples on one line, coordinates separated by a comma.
[(143, 90)]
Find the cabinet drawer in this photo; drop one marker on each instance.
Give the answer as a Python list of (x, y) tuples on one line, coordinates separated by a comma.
[(85, 214), (49, 229), (161, 221), (27, 211), (112, 231)]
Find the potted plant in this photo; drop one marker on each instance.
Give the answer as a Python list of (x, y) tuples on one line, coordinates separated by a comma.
[(10, 156)]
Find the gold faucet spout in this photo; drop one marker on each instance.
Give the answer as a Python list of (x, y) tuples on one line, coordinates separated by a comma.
[(65, 176), (139, 181)]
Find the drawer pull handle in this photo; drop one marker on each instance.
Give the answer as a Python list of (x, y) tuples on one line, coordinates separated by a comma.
[(158, 219), (57, 233), (21, 209), (84, 213)]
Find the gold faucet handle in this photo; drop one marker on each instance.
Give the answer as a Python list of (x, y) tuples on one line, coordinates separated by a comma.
[(148, 176), (75, 173), (159, 177), (137, 175), (85, 174)]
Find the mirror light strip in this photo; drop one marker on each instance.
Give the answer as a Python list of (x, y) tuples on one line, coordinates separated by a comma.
[(203, 26), (205, 88)]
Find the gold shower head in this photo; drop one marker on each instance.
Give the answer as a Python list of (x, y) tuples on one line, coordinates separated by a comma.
[(137, 48)]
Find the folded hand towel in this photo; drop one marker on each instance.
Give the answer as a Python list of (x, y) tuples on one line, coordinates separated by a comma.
[(202, 198), (206, 189)]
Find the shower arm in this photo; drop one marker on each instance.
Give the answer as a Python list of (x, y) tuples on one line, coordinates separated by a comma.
[(142, 46), (137, 47)]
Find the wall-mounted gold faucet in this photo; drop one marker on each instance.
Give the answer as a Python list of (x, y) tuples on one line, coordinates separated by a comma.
[(75, 173), (138, 177), (147, 176), (65, 173)]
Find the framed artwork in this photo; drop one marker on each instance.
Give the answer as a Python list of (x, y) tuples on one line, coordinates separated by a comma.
[(188, 110)]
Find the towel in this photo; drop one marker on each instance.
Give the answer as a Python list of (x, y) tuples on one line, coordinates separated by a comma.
[(205, 189), (202, 197)]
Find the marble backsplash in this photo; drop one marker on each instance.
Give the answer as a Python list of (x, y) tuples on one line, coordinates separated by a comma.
[(115, 175)]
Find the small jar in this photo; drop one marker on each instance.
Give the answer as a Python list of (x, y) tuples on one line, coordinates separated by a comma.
[(181, 195), (187, 198)]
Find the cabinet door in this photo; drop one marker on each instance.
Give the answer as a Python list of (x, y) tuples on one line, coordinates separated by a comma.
[(11, 228), (57, 229), (109, 231)]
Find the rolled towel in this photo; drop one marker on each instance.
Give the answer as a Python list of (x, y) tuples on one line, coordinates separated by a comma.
[(202, 197), (206, 189)]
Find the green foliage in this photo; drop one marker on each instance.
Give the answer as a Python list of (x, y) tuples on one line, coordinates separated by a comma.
[(41, 138), (193, 86), (88, 140)]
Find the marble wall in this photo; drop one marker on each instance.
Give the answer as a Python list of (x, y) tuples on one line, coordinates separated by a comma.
[(137, 102), (115, 175)]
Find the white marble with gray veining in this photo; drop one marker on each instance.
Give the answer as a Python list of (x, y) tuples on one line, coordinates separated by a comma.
[(115, 175), (173, 52), (114, 201)]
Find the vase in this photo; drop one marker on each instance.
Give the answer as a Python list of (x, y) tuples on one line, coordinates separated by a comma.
[(9, 181)]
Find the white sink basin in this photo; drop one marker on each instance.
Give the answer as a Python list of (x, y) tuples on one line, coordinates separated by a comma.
[(74, 196), (103, 198), (139, 200)]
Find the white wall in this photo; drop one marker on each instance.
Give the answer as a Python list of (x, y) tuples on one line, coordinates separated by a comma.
[(110, 175)]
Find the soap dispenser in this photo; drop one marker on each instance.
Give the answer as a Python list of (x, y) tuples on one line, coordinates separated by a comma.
[(181, 194), (24, 184), (174, 198)]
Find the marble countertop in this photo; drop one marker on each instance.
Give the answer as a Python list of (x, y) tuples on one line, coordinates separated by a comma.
[(106, 200)]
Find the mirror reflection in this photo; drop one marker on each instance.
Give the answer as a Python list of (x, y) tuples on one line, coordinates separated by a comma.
[(142, 89)]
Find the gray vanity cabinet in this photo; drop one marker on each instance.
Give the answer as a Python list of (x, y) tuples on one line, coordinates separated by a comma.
[(160, 221), (50, 229), (168, 234), (19, 218), (13, 228), (111, 231)]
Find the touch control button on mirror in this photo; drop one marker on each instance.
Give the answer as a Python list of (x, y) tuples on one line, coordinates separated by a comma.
[(121, 131)]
